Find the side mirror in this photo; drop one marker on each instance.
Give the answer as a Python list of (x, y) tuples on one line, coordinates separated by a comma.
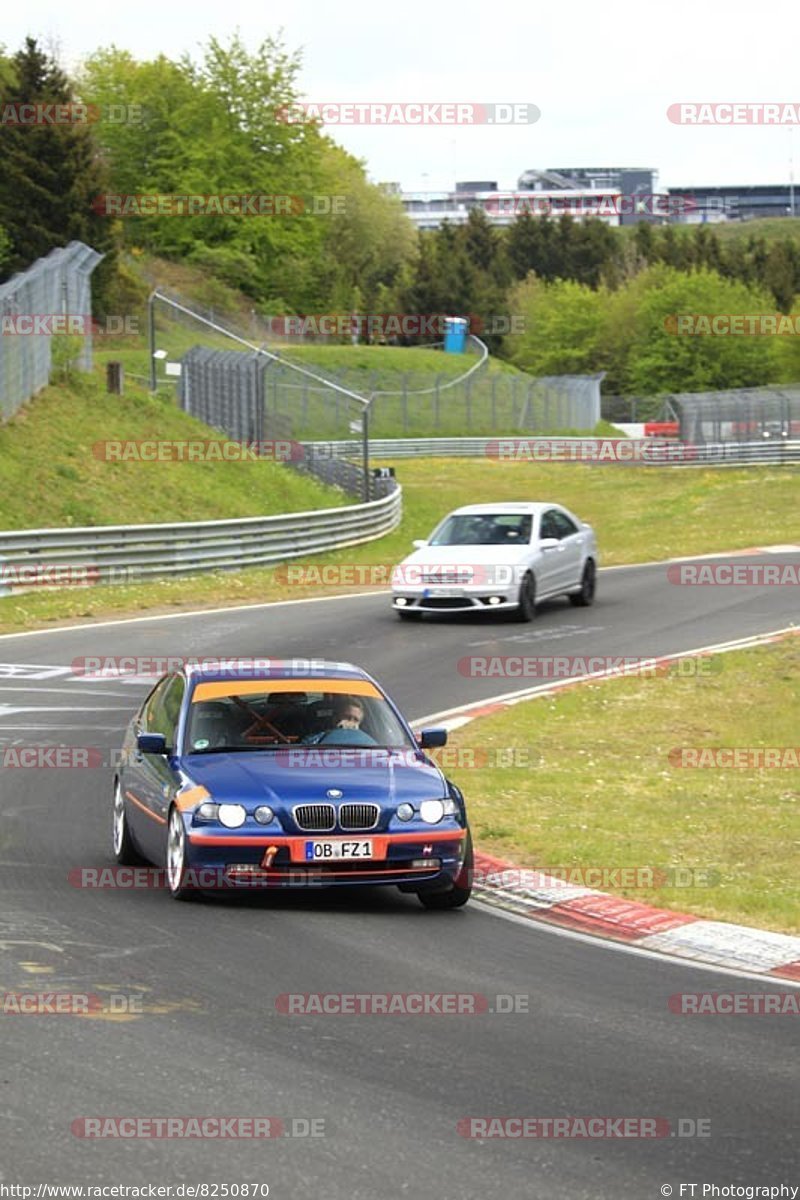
[(419, 543), (548, 543), (430, 739), (151, 743)]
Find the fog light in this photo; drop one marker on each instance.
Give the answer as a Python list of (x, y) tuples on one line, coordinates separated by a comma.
[(401, 602), (495, 599), (426, 864)]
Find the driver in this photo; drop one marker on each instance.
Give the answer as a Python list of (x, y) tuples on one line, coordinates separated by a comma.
[(348, 713)]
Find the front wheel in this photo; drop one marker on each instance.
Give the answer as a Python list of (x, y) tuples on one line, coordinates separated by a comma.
[(125, 851), (526, 608), (177, 867), (461, 890), (585, 597)]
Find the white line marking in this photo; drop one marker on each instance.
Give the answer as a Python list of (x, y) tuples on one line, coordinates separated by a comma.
[(638, 668), (39, 691), (8, 710)]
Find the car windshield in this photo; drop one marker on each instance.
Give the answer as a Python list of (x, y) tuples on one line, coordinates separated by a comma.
[(269, 718), (484, 529)]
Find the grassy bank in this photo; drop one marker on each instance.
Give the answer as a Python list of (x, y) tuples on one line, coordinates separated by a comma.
[(54, 473), (598, 788), (640, 514)]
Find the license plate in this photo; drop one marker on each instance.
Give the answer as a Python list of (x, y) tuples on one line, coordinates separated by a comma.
[(443, 591), (324, 851)]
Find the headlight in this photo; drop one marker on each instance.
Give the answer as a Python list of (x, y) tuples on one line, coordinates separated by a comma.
[(208, 811), (432, 811), (232, 815), (405, 811), (264, 814)]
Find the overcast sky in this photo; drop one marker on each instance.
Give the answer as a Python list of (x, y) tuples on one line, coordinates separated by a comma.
[(602, 74)]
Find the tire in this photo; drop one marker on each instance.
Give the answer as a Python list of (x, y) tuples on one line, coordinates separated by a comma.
[(585, 597), (526, 608), (177, 867), (460, 892), (125, 851), (405, 615)]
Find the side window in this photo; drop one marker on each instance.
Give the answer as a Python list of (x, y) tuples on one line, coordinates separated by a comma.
[(149, 707), (564, 525), (163, 708), (548, 528)]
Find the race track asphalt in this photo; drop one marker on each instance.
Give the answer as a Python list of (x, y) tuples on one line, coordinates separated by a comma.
[(598, 1038)]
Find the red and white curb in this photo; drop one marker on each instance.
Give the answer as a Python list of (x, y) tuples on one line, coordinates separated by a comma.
[(542, 897)]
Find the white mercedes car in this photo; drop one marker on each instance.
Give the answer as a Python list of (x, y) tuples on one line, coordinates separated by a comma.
[(490, 557)]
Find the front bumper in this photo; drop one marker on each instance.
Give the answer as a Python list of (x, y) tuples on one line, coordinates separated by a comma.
[(455, 599), (244, 860)]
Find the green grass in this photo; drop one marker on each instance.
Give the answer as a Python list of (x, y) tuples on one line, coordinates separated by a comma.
[(641, 514), (600, 790), (52, 477)]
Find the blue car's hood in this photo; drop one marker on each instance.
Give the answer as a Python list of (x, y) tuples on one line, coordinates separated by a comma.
[(302, 776)]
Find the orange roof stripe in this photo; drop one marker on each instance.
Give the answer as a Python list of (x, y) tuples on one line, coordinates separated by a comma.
[(250, 687)]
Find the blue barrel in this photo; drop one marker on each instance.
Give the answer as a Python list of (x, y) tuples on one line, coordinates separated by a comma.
[(455, 335)]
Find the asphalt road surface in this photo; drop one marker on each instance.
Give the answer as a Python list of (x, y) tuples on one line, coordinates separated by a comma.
[(387, 1092)]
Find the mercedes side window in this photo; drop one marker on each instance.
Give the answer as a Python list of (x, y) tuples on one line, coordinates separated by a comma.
[(547, 528), (564, 526)]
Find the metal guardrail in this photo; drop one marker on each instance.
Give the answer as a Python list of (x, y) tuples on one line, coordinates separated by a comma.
[(660, 453), (125, 553)]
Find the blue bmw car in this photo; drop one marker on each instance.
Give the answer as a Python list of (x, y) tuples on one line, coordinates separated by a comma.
[(291, 776)]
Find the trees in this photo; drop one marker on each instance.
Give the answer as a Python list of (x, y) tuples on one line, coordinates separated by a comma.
[(51, 173)]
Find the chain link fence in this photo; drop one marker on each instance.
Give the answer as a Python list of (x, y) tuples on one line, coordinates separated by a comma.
[(471, 394), (423, 405), (746, 415), (56, 286)]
